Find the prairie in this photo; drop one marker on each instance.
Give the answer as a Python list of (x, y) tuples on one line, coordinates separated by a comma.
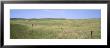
[(55, 28)]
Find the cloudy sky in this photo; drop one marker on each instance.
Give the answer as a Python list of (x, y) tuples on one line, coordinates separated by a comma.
[(56, 13)]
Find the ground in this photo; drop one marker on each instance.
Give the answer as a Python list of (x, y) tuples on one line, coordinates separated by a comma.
[(55, 29)]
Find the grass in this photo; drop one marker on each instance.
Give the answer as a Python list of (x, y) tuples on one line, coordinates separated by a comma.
[(55, 29)]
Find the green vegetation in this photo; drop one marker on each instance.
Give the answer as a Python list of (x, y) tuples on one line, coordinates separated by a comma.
[(55, 28)]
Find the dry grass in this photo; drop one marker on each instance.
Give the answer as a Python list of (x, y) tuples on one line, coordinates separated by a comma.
[(55, 29)]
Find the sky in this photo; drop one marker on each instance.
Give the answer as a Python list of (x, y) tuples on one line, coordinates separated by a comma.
[(55, 13)]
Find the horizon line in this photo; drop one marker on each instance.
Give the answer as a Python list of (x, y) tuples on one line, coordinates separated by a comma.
[(56, 18)]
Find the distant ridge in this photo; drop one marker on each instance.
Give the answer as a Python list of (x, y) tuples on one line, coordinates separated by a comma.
[(36, 18), (16, 18), (52, 18), (47, 18), (94, 18)]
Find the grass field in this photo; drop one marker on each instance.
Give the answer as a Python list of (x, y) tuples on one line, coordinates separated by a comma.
[(55, 29)]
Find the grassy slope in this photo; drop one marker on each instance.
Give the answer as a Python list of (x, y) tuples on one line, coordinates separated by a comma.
[(52, 29)]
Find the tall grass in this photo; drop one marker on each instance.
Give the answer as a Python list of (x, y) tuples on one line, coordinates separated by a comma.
[(55, 29)]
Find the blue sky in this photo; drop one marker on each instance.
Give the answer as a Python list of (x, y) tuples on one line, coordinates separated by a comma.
[(56, 13)]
